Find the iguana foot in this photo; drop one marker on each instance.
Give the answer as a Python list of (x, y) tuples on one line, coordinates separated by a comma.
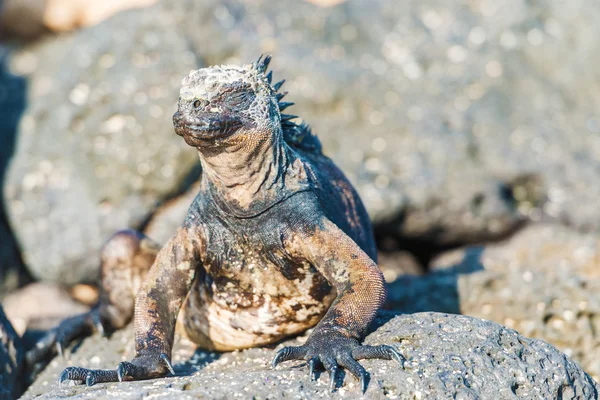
[(57, 339), (89, 376), (334, 350), (146, 366)]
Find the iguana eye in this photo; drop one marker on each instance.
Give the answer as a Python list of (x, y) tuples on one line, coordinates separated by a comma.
[(200, 103)]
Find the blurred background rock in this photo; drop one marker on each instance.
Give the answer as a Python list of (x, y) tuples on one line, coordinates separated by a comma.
[(32, 18), (460, 123)]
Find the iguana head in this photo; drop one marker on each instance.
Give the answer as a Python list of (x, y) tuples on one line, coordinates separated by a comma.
[(217, 103), (232, 115)]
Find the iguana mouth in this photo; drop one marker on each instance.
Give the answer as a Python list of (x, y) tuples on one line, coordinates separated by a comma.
[(204, 128)]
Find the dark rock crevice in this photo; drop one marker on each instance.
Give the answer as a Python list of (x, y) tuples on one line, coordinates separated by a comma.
[(13, 273)]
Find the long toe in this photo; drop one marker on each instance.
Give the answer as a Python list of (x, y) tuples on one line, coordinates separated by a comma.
[(355, 369), (101, 376), (382, 352), (89, 376), (289, 353), (331, 366), (76, 374), (312, 363)]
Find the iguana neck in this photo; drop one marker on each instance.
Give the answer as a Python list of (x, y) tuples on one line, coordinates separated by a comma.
[(249, 175)]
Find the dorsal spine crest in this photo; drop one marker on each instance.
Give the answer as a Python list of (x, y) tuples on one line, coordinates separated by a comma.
[(299, 136)]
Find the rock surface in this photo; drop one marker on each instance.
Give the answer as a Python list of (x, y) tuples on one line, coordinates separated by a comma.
[(40, 306), (447, 356), (543, 282), (11, 360), (454, 120), (170, 215)]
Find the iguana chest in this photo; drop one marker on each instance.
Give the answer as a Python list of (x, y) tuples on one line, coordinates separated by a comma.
[(245, 263)]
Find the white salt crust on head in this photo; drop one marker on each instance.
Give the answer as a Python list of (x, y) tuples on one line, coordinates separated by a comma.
[(206, 82)]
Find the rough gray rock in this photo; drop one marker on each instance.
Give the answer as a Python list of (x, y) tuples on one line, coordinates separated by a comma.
[(543, 282), (451, 356), (11, 360), (170, 215), (447, 356), (96, 149)]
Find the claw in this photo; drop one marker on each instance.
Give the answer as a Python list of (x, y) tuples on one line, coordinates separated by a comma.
[(90, 380), (277, 358), (288, 353), (311, 368), (98, 324), (332, 375), (363, 383), (165, 358), (59, 349), (121, 371), (396, 355), (63, 377)]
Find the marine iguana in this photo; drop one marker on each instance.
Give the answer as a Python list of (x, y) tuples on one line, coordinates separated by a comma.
[(276, 242)]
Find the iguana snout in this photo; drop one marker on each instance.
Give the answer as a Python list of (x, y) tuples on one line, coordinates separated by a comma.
[(197, 127)]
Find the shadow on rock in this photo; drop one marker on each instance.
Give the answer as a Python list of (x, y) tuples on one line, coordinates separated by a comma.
[(437, 291), (12, 105), (11, 360), (200, 359), (436, 239)]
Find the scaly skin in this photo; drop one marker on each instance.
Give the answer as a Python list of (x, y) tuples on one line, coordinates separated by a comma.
[(276, 242)]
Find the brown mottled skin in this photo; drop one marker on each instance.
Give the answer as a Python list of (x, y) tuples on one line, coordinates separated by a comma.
[(276, 242)]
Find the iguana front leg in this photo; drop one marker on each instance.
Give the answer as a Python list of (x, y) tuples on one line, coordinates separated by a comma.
[(156, 307), (360, 292), (126, 258)]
